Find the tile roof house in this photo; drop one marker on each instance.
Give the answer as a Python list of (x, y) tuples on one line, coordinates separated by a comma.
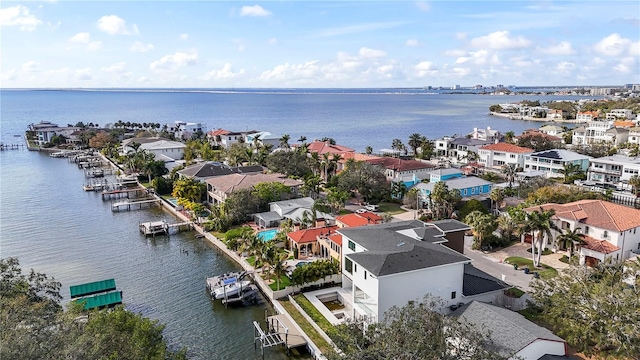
[(512, 335), (612, 231), (322, 147), (391, 264), (500, 154), (225, 138), (306, 240), (355, 220), (395, 168), (219, 187), (208, 169)]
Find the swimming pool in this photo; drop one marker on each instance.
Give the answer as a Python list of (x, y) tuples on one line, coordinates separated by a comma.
[(173, 200), (267, 235)]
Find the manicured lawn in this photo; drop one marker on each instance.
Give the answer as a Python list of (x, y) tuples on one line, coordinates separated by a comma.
[(284, 282), (546, 271), (314, 314), (317, 339), (514, 292), (391, 208), (252, 261)]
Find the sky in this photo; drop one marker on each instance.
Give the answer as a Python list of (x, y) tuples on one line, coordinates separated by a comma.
[(317, 44)]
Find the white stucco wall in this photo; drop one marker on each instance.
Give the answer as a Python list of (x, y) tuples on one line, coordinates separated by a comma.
[(540, 347)]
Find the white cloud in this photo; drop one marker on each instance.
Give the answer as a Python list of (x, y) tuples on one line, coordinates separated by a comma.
[(83, 74), (412, 43), (520, 61), (366, 52), (255, 10), (80, 38), (289, 72), (173, 62), (462, 59), (423, 6), (225, 73), (634, 48), (563, 48), (360, 28), (612, 45), (272, 41), (425, 68), (94, 45), (30, 66), (500, 40), (117, 68), (461, 72), (21, 16), (565, 67), (455, 53), (139, 47), (114, 25), (184, 37), (625, 65)]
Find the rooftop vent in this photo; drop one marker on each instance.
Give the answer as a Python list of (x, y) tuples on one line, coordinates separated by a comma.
[(400, 244)]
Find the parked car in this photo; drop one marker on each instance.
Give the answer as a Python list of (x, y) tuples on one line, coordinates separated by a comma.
[(372, 207), (361, 211)]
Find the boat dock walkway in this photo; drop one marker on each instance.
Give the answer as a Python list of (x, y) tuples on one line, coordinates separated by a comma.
[(154, 228), (123, 193), (126, 205), (280, 331)]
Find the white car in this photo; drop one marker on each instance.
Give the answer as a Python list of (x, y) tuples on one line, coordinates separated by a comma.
[(372, 207), (361, 211)]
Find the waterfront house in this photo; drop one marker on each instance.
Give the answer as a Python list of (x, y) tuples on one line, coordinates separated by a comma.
[(616, 114), (553, 130), (487, 134), (495, 156), (208, 169), (186, 130), (592, 132), (292, 209), (225, 138), (533, 137), (459, 149), (44, 131), (469, 187), (553, 162), (612, 231), (323, 147), (163, 149), (512, 335), (395, 168), (219, 187), (613, 170), (391, 264), (587, 116), (263, 138), (342, 162), (305, 242)]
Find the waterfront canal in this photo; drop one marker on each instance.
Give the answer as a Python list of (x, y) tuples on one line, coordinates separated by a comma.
[(53, 226)]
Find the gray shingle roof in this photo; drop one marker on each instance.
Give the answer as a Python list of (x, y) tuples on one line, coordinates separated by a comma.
[(476, 282), (407, 257), (382, 237), (510, 331), (450, 225), (207, 169)]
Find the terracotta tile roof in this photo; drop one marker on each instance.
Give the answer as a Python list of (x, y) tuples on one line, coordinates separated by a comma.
[(336, 238), (311, 235), (322, 147), (601, 246), (624, 124), (396, 164), (219, 132), (504, 147), (598, 213), (357, 157), (233, 182), (355, 220), (592, 113)]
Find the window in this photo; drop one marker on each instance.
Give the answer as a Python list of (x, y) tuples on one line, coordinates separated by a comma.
[(453, 295), (355, 268), (605, 234), (348, 265), (365, 275), (586, 229), (352, 245)]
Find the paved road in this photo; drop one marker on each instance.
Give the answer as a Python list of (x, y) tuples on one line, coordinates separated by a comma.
[(495, 268)]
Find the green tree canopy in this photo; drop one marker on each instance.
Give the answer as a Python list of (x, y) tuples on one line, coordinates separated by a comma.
[(368, 180)]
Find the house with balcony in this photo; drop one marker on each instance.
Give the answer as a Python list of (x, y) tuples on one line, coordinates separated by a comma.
[(617, 114), (225, 138), (291, 209), (163, 149), (391, 264), (44, 131), (220, 187), (615, 170), (459, 149), (553, 162), (612, 231), (307, 242), (263, 138), (468, 186), (185, 130), (487, 134), (587, 116), (495, 156), (593, 132)]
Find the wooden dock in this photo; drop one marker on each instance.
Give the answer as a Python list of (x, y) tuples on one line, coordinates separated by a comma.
[(154, 228), (127, 205), (280, 331), (123, 193)]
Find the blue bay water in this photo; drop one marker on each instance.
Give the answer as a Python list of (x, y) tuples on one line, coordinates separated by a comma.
[(54, 227)]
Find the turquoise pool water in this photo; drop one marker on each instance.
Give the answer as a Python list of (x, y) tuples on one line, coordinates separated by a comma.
[(267, 235), (174, 201)]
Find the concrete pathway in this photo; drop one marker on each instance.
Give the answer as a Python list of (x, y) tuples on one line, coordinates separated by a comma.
[(520, 249)]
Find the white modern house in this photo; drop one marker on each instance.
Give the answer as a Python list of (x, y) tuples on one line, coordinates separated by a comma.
[(495, 156), (185, 130), (586, 116), (163, 149), (553, 130), (620, 114), (391, 264), (225, 138), (552, 162), (634, 135), (513, 336), (458, 149), (593, 132), (44, 131), (614, 170), (612, 231)]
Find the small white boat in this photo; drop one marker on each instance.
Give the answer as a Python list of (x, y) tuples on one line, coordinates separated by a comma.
[(229, 290)]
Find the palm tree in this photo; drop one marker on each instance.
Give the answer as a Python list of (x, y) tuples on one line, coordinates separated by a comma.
[(634, 181), (368, 150), (284, 141), (276, 261), (481, 225), (496, 196), (509, 171), (415, 140), (397, 144), (540, 223), (509, 136), (570, 170), (571, 239), (507, 226), (302, 139)]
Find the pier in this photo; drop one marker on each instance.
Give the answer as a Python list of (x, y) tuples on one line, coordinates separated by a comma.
[(154, 228), (126, 205), (4, 147), (280, 331), (132, 193)]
